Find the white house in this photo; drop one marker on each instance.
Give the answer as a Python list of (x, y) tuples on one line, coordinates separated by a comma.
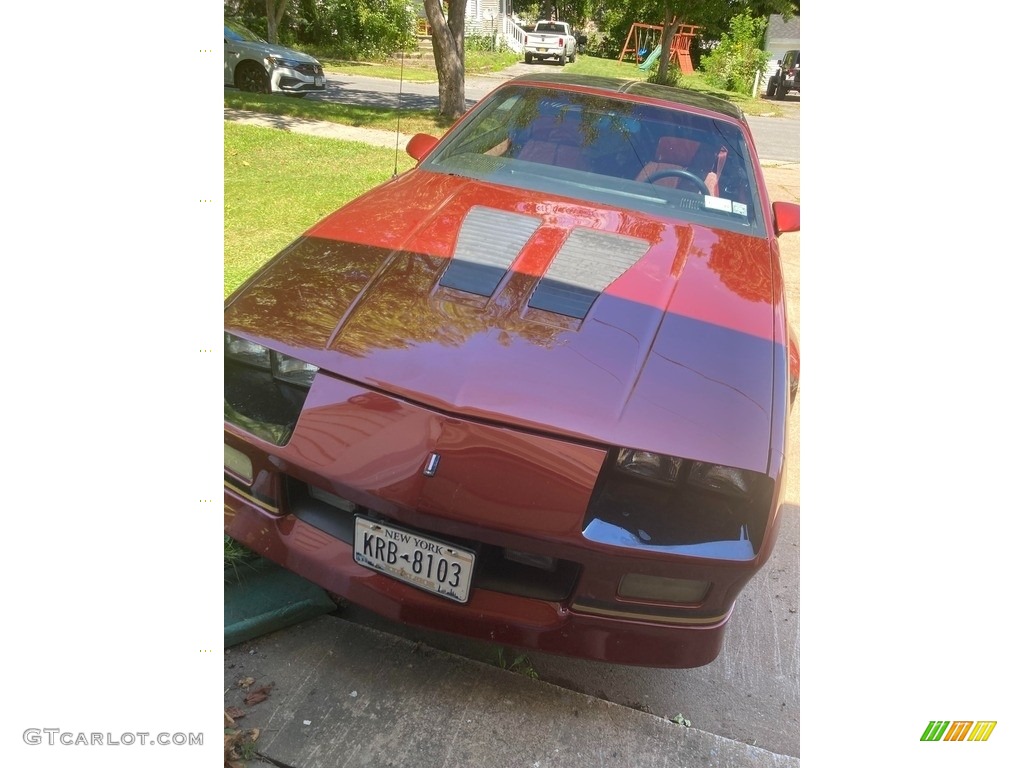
[(488, 17), (780, 36)]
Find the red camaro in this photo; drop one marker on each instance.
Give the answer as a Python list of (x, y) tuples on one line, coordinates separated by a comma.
[(535, 390)]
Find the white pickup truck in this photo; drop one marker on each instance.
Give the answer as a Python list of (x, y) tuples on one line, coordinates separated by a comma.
[(550, 40)]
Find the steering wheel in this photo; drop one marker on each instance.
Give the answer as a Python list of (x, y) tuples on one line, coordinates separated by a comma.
[(682, 174)]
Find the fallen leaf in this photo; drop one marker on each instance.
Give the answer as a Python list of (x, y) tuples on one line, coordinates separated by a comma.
[(245, 682), (234, 713), (258, 695)]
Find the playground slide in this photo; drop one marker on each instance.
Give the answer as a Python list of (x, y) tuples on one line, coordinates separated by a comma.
[(649, 61)]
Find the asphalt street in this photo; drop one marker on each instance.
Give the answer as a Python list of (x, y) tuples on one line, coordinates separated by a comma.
[(777, 138)]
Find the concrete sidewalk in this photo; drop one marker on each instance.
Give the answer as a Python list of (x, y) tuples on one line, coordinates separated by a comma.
[(322, 128), (344, 695)]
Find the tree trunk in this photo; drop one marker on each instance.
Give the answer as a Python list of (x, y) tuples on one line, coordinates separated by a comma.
[(448, 38), (668, 33), (275, 12)]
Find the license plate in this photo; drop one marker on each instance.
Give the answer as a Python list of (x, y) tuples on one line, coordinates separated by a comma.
[(431, 565), (319, 80), (542, 50)]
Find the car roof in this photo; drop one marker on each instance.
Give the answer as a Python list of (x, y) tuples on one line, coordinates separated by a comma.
[(616, 87)]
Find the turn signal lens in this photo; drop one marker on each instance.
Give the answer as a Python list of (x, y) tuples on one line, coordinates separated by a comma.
[(238, 463), (640, 586)]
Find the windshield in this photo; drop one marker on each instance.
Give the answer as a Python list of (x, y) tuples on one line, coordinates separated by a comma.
[(643, 157), (237, 33)]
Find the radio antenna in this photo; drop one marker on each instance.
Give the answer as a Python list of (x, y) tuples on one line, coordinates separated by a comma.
[(398, 126)]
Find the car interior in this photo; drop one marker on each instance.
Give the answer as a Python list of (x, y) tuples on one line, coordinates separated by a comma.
[(695, 162), (657, 152)]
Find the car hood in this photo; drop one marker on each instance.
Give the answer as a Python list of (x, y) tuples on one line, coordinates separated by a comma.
[(269, 49), (593, 323)]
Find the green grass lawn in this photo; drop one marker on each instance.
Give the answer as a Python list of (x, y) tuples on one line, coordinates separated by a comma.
[(278, 184), (591, 65), (418, 70), (384, 118)]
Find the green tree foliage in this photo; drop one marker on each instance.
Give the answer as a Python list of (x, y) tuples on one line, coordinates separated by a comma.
[(712, 16), (737, 59), (366, 29), (576, 12), (348, 29)]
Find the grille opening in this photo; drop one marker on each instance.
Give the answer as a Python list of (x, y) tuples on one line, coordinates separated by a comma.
[(493, 571)]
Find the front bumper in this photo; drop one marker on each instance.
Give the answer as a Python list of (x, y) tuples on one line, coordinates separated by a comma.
[(494, 490), (491, 616), (287, 80)]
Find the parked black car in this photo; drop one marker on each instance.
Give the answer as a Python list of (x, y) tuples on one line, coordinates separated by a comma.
[(786, 78)]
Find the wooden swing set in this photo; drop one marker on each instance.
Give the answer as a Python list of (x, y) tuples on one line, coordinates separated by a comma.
[(644, 38)]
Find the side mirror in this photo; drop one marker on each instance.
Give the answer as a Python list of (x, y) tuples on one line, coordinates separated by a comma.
[(420, 145), (787, 217)]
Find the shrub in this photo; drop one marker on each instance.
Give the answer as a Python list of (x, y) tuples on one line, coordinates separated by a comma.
[(345, 29), (737, 59), (672, 75), (386, 28), (487, 41)]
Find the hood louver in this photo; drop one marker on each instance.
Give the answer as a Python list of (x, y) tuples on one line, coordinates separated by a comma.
[(488, 243), (586, 264)]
